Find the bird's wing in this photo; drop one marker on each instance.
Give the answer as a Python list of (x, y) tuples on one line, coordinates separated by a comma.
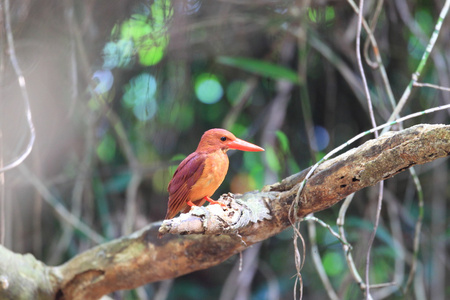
[(186, 175)]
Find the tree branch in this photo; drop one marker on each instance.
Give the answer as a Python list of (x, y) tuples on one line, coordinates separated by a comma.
[(141, 258)]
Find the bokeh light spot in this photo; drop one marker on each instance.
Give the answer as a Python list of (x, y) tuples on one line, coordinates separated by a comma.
[(140, 96), (150, 54), (105, 81), (145, 111), (322, 138), (208, 88), (191, 7), (333, 263), (106, 149), (148, 33), (139, 90), (135, 28), (117, 54)]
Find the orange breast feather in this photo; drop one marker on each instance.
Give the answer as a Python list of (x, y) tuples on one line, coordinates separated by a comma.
[(198, 175)]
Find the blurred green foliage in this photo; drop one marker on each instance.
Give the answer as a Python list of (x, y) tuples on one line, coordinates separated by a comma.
[(106, 148), (150, 21), (260, 67), (322, 14), (208, 88)]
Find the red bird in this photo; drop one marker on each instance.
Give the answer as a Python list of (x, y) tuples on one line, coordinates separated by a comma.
[(201, 173)]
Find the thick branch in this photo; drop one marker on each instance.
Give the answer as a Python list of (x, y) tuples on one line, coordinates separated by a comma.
[(374, 161), (142, 258)]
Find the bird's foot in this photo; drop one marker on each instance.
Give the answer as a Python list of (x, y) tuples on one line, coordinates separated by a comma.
[(191, 204), (213, 201)]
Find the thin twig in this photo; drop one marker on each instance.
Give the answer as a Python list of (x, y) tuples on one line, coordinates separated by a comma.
[(307, 114), (299, 259), (360, 135), (340, 221), (397, 246), (372, 238), (430, 85), (85, 164), (163, 290), (248, 272), (325, 225), (405, 95), (417, 73), (438, 57), (133, 163), (239, 104), (273, 285), (372, 118), (382, 285), (60, 210), (418, 32), (131, 199), (77, 191), (378, 58), (120, 132), (438, 228), (417, 232), (318, 260), (295, 204), (345, 246), (419, 280), (23, 89), (238, 283), (373, 24), (361, 68)]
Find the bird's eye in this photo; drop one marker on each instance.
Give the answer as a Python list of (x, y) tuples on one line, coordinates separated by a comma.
[(223, 139)]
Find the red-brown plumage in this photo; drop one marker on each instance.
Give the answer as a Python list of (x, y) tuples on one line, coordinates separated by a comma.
[(200, 174)]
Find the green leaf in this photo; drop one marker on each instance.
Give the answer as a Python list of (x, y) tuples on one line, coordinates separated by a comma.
[(106, 149), (260, 67), (283, 139), (272, 160)]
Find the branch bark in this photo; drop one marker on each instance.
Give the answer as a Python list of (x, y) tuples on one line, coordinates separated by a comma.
[(140, 258)]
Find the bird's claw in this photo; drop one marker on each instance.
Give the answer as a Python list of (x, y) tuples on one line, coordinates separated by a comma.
[(214, 202)]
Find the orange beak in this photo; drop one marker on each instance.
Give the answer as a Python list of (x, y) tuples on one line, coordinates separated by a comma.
[(239, 144)]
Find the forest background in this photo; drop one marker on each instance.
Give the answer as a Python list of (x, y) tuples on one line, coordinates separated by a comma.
[(120, 92)]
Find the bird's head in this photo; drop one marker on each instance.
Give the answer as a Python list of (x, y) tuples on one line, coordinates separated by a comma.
[(217, 138)]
